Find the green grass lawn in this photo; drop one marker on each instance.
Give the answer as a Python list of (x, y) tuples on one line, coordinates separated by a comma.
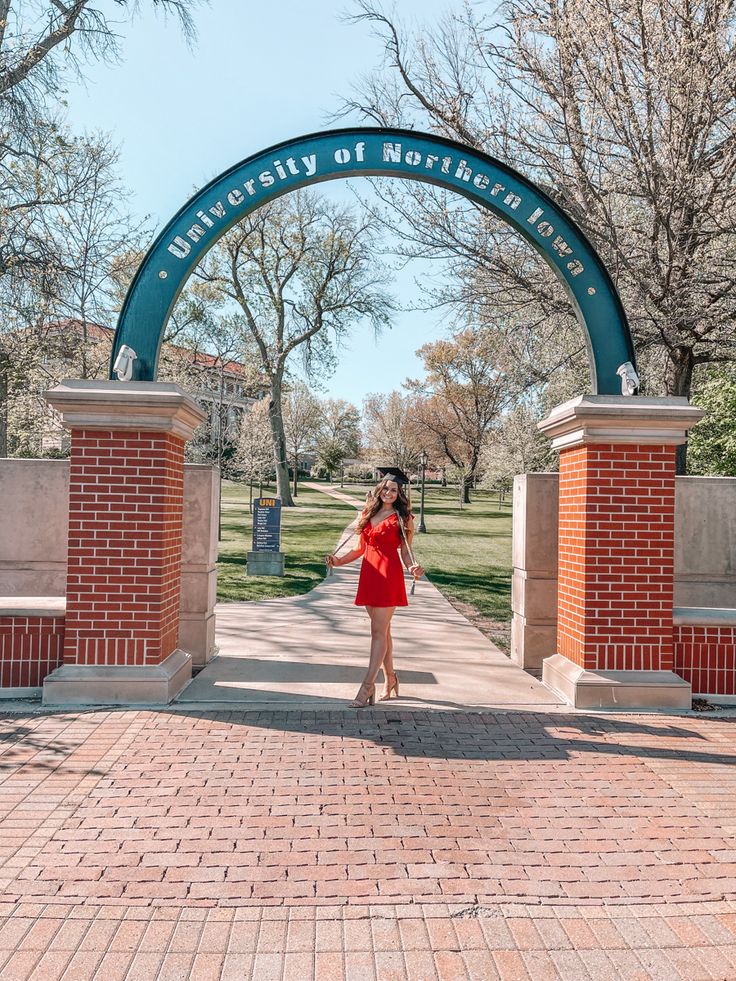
[(467, 553), (308, 532)]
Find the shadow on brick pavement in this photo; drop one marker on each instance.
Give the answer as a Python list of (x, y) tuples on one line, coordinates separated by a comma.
[(325, 844)]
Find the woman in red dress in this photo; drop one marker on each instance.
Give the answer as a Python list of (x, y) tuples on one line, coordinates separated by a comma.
[(386, 527)]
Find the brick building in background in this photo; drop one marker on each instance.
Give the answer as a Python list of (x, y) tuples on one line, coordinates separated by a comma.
[(225, 388)]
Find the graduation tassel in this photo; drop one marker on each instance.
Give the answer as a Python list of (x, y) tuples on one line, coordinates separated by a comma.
[(409, 549), (347, 538), (342, 543)]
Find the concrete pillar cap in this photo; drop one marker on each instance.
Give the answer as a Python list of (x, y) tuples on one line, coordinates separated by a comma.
[(620, 419), (135, 405)]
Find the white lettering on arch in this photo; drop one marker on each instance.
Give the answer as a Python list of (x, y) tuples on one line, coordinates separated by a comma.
[(195, 233), (392, 153), (560, 246), (179, 247)]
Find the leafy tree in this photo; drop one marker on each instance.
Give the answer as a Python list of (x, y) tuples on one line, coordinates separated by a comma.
[(254, 451), (390, 431), (92, 239), (44, 43), (302, 414), (62, 228), (338, 436), (330, 456), (459, 399), (712, 448), (302, 272), (624, 112), (514, 446)]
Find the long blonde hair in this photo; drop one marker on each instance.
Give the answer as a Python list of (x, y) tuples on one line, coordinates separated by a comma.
[(374, 503)]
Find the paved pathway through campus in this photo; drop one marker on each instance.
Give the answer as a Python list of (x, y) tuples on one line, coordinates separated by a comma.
[(311, 651)]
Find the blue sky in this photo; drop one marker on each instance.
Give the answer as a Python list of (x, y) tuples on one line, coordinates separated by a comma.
[(258, 74)]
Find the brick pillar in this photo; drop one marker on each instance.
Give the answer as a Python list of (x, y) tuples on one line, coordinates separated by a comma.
[(616, 550), (125, 533)]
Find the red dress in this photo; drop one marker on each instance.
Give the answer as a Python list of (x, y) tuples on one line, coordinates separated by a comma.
[(381, 580)]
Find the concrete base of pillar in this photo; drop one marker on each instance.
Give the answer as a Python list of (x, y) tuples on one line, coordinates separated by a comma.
[(197, 636), (155, 684), (265, 563), (531, 643), (621, 690), (17, 693)]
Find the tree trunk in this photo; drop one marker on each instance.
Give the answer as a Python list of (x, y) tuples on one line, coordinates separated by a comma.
[(250, 496), (279, 444), (678, 381), (464, 488), (296, 481)]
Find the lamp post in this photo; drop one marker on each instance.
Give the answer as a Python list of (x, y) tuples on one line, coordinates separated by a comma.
[(423, 460)]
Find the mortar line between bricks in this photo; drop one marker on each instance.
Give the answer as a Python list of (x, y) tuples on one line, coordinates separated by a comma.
[(37, 962), (5, 960), (231, 925), (181, 920), (44, 832), (99, 918), (25, 934)]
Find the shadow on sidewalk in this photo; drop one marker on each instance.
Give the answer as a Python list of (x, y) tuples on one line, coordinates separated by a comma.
[(434, 733), (490, 736), (35, 749)]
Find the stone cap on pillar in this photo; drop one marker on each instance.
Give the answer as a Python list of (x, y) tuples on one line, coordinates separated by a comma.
[(141, 405), (620, 419)]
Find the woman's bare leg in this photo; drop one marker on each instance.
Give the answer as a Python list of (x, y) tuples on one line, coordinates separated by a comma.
[(380, 632), (388, 661)]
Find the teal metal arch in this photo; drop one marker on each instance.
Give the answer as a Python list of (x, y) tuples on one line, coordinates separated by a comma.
[(378, 152)]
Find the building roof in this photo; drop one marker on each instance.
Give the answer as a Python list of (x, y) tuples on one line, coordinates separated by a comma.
[(102, 333)]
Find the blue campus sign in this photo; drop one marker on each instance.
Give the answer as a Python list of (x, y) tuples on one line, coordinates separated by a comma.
[(267, 524), (385, 153)]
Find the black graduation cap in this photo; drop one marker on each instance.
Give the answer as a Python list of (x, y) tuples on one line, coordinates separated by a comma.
[(394, 473)]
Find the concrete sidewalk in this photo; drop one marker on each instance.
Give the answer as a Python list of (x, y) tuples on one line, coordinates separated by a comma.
[(311, 651)]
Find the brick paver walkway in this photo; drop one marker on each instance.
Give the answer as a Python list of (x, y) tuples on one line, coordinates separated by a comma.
[(385, 844)]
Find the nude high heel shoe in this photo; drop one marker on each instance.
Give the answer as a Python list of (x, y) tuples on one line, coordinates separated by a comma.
[(366, 696), (392, 685)]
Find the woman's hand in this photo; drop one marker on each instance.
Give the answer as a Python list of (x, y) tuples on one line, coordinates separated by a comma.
[(416, 570), (331, 561)]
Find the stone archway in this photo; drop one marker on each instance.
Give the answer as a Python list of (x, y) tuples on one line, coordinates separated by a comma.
[(616, 636), (366, 152)]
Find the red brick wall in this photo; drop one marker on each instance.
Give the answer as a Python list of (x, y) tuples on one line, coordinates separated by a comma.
[(571, 566), (616, 557), (125, 527), (706, 657), (30, 648)]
